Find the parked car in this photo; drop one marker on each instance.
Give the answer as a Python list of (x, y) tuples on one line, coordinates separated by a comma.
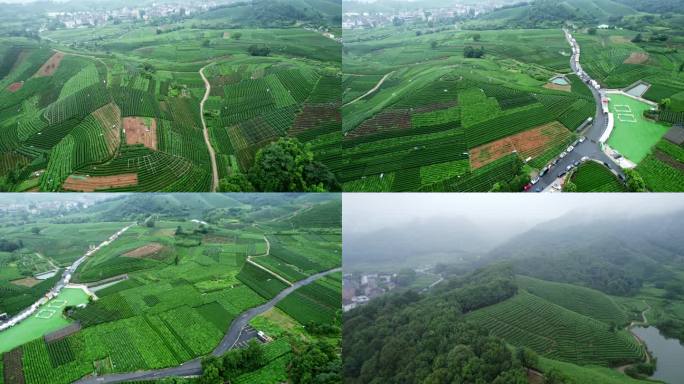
[(561, 174), (582, 138), (543, 171), (534, 181), (584, 158), (569, 167), (563, 154), (527, 186), (538, 189), (576, 163), (570, 148)]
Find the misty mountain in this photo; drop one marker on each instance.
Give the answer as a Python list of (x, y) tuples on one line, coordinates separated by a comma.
[(422, 242), (612, 253)]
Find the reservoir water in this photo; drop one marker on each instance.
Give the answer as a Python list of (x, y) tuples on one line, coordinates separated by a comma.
[(669, 352)]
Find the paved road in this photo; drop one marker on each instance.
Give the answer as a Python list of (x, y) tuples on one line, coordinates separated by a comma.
[(194, 367), (212, 155), (590, 147)]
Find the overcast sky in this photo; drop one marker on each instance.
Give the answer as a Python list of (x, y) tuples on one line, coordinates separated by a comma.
[(364, 212)]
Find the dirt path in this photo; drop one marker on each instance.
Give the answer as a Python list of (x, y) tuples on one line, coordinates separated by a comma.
[(212, 155), (49, 260), (371, 91), (268, 252), (643, 322)]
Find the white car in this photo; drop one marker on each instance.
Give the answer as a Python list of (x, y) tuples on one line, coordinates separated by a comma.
[(563, 154), (570, 148), (582, 138), (584, 158), (534, 181)]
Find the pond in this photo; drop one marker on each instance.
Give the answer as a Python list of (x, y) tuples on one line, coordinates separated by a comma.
[(560, 80), (669, 352)]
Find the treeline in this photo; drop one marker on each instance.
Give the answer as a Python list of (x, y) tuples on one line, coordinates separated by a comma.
[(10, 245), (408, 338)]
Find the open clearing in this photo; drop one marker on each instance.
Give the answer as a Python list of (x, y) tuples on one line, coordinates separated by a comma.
[(637, 58), (15, 87), (51, 65), (94, 183), (145, 251), (633, 135), (26, 282), (141, 130), (48, 319)]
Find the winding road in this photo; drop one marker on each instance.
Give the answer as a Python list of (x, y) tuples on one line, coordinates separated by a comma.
[(212, 154), (643, 322), (194, 367), (591, 147)]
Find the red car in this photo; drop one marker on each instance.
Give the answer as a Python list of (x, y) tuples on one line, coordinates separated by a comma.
[(527, 187)]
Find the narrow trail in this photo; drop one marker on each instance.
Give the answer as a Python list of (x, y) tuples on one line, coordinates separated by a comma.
[(212, 154), (375, 88), (634, 323), (268, 252)]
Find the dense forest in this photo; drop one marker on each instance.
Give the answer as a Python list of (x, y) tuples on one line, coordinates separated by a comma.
[(409, 338)]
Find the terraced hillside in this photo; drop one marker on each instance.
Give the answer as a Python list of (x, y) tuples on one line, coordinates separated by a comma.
[(436, 121), (166, 292), (595, 177), (584, 301), (118, 108), (556, 332)]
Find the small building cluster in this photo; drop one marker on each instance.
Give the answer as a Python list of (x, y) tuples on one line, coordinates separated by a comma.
[(358, 289)]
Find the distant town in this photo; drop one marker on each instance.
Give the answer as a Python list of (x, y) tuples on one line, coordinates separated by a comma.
[(96, 17), (360, 288), (361, 20)]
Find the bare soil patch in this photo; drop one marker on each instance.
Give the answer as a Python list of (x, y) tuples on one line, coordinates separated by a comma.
[(619, 39), (150, 250), (51, 65), (62, 333), (13, 366), (94, 183), (382, 122), (218, 239), (15, 86), (637, 58), (665, 158), (140, 130), (558, 87), (26, 282), (530, 143), (314, 116)]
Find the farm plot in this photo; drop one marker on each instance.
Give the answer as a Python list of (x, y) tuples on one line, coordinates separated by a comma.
[(527, 144), (141, 131), (594, 177), (556, 332), (318, 303)]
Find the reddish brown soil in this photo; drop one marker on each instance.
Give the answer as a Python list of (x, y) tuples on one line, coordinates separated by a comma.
[(137, 132), (382, 122), (15, 87), (558, 87), (530, 143), (26, 282), (637, 58), (51, 65), (149, 250), (314, 116), (91, 184)]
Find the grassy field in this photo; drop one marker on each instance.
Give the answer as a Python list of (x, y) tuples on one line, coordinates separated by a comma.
[(633, 135), (436, 118), (186, 283), (51, 319)]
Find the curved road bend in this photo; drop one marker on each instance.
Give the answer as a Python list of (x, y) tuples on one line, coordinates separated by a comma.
[(212, 155), (194, 367), (590, 147)]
